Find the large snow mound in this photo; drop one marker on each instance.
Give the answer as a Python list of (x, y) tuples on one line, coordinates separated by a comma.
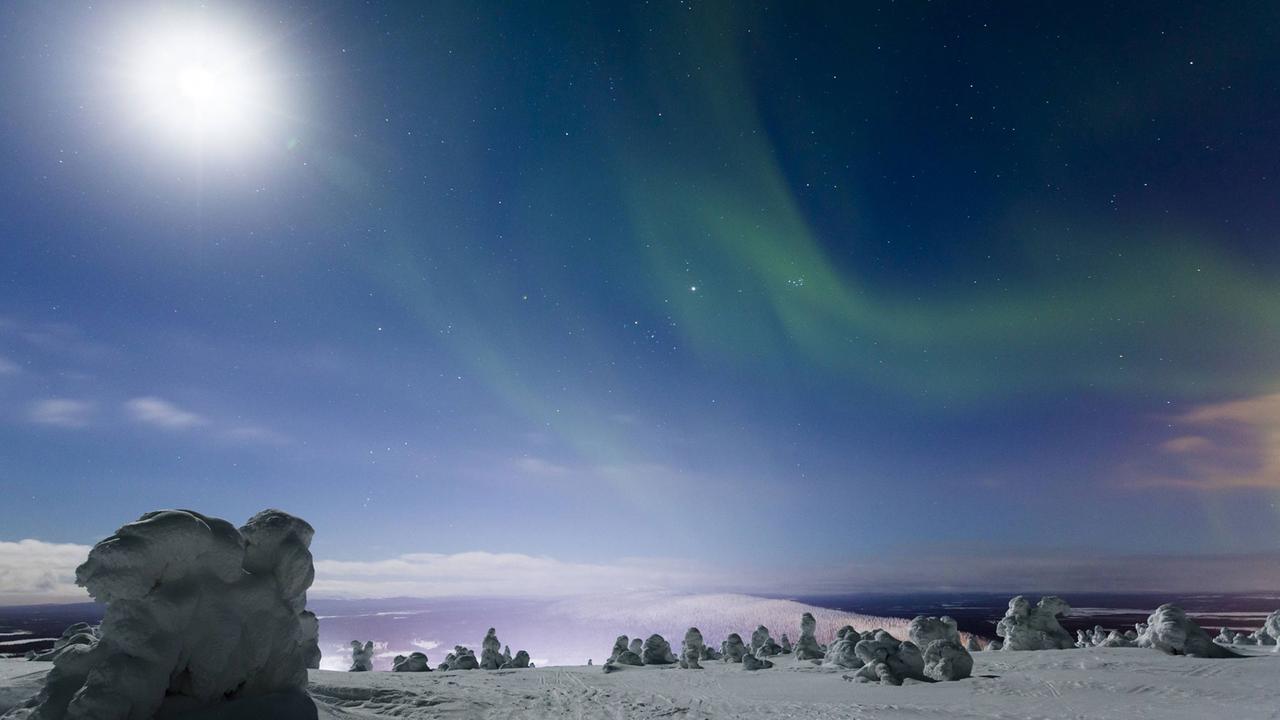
[(198, 615)]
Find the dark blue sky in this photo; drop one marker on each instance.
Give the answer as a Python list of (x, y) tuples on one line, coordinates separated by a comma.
[(725, 283)]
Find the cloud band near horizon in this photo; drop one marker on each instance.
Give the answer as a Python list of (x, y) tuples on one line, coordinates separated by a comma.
[(35, 572)]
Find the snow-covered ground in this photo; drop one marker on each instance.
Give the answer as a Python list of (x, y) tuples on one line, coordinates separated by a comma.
[(1096, 683), (1100, 684)]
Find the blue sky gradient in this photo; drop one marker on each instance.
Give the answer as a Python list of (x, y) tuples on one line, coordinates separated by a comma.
[(730, 284)]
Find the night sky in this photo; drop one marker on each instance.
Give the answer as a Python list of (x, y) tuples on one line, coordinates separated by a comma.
[(737, 285)]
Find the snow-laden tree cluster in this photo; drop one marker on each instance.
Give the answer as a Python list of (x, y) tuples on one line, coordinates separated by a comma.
[(1226, 636), (694, 650), (1024, 627), (493, 656), (935, 651), (1102, 637), (462, 658), (1170, 631), (198, 614), (1265, 635)]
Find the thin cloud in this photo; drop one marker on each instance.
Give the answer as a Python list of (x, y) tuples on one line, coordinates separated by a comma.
[(1219, 446), (538, 467), (471, 574), (1049, 571), (254, 434), (60, 412), (161, 413), (9, 367)]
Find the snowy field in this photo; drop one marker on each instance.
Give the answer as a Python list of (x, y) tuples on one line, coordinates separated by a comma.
[(1100, 684)]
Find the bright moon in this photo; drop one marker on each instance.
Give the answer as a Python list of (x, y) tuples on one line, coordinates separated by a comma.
[(199, 83)]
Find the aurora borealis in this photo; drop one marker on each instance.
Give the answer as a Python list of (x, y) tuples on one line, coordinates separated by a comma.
[(601, 282)]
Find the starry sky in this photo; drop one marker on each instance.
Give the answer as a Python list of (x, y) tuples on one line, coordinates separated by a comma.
[(738, 285)]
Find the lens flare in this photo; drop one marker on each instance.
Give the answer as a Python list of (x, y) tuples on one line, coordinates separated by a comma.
[(202, 84)]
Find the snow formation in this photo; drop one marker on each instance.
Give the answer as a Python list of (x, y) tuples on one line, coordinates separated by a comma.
[(80, 633), (626, 657), (691, 649), (657, 651), (619, 646), (947, 660), (491, 651), (1034, 628), (762, 644), (842, 652), (924, 630), (520, 661), (462, 658), (361, 656), (1170, 631), (732, 649), (198, 614), (807, 647), (1272, 626), (888, 660), (415, 662)]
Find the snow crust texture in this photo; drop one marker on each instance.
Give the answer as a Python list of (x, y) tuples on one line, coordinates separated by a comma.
[(198, 614)]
